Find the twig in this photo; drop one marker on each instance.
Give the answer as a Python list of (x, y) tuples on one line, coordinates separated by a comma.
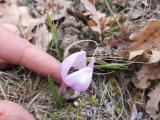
[(112, 13), (34, 98), (2, 90), (75, 43)]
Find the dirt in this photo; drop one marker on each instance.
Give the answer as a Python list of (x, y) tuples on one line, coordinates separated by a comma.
[(112, 94)]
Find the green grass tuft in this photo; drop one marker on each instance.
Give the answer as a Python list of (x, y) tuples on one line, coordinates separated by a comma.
[(55, 39), (54, 93)]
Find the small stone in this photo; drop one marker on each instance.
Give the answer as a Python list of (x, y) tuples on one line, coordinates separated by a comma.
[(135, 14), (75, 104)]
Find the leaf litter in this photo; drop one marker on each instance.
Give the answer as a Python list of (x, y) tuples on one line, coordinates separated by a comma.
[(96, 20), (145, 47), (141, 46)]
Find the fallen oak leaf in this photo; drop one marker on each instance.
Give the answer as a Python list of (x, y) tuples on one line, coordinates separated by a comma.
[(134, 54), (97, 20), (149, 56), (146, 48), (147, 72), (153, 103), (155, 57), (147, 38)]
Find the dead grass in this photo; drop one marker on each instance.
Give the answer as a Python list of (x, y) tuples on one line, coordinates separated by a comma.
[(107, 98), (111, 95)]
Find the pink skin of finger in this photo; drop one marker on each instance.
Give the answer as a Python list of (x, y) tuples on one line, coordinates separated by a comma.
[(14, 29), (13, 111), (3, 64), (18, 51)]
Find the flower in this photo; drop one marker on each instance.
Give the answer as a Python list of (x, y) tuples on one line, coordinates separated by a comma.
[(80, 79)]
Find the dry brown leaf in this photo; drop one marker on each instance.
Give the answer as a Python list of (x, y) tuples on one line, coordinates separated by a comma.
[(146, 48), (57, 8), (153, 102), (147, 72), (148, 39), (97, 20), (43, 37), (20, 15), (150, 56)]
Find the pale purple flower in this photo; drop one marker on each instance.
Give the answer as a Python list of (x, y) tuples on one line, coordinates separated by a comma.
[(80, 79)]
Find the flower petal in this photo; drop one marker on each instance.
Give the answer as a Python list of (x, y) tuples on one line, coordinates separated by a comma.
[(76, 60), (79, 80)]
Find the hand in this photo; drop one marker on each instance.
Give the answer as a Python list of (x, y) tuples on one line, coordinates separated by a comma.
[(13, 111), (18, 51)]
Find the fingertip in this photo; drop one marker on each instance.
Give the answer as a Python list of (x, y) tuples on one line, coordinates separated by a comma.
[(10, 110)]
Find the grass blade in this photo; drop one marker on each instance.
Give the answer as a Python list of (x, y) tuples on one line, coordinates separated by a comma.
[(54, 93), (112, 66), (54, 38)]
